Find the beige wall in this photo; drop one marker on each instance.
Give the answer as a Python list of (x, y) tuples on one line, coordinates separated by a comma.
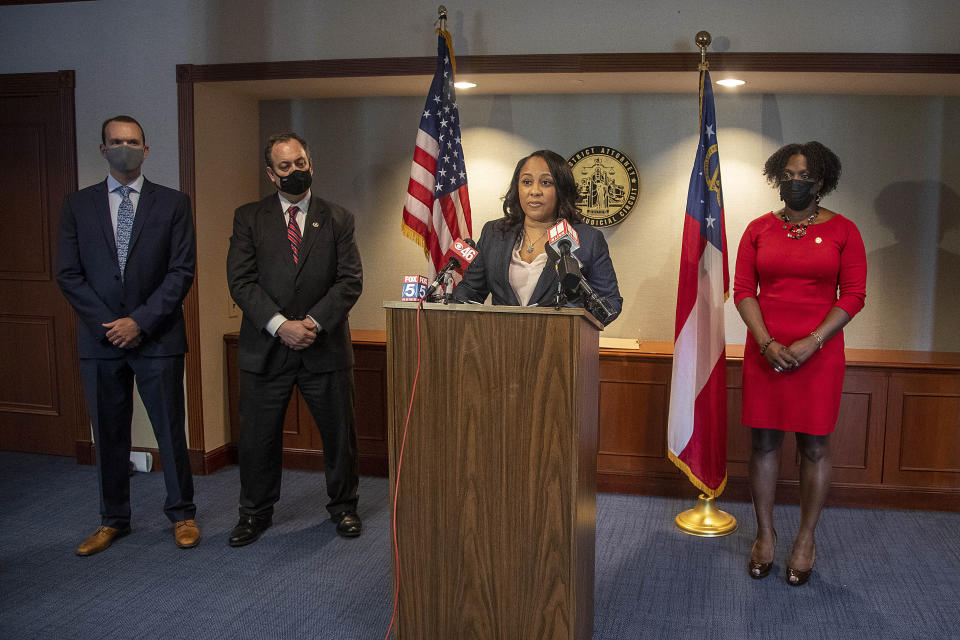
[(226, 140), (898, 186), (227, 149)]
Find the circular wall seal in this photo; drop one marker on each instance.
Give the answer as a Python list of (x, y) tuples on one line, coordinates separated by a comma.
[(607, 185)]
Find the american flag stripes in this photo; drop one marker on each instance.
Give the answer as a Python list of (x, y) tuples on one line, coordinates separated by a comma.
[(437, 208), (697, 426)]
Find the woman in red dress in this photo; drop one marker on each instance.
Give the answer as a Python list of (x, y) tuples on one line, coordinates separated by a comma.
[(801, 276)]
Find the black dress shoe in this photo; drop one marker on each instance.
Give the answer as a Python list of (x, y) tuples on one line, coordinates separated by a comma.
[(248, 530), (348, 524)]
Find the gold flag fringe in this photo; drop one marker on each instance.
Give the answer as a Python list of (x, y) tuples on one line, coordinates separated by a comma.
[(713, 493)]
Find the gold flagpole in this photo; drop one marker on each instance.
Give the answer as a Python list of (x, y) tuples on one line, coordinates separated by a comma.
[(705, 520)]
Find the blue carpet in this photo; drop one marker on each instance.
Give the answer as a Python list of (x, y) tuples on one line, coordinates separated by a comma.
[(879, 574)]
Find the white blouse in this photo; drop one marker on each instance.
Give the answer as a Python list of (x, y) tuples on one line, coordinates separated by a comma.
[(524, 276)]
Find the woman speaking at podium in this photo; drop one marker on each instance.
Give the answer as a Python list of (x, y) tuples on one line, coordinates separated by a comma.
[(513, 265), (801, 275)]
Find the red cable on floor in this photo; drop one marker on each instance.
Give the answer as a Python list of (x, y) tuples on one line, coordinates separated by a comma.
[(396, 490)]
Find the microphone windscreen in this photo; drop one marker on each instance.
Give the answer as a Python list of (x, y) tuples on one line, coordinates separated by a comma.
[(463, 252), (562, 232), (414, 288)]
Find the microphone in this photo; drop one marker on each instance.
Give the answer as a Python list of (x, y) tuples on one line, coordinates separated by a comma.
[(568, 269), (414, 288), (562, 241), (563, 238), (459, 256), (571, 278)]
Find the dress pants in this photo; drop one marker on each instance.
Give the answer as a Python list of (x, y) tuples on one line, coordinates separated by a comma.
[(108, 388), (263, 404)]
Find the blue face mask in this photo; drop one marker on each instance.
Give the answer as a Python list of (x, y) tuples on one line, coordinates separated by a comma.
[(797, 194)]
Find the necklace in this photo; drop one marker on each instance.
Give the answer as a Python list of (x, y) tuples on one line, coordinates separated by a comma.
[(796, 230), (532, 244)]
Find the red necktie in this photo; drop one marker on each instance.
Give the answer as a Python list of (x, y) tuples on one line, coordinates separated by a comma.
[(293, 233)]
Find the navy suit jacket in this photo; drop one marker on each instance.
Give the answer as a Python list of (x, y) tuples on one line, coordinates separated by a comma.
[(488, 274), (264, 280), (161, 259)]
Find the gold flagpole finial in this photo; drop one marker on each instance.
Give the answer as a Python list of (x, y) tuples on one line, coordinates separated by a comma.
[(703, 41), (442, 17)]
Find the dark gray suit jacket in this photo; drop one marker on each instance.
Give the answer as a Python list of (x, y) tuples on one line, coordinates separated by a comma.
[(264, 280), (488, 274)]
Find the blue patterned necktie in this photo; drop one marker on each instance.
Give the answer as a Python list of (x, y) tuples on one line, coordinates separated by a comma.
[(124, 226)]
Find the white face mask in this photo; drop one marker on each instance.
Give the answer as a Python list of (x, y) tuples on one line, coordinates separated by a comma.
[(124, 158)]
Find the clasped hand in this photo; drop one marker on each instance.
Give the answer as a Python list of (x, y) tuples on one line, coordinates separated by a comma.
[(791, 357), (297, 334), (123, 333)]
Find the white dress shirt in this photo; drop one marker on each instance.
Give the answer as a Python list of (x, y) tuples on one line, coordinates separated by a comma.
[(303, 205), (524, 276)]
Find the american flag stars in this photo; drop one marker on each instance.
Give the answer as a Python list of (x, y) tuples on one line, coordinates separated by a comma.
[(437, 209)]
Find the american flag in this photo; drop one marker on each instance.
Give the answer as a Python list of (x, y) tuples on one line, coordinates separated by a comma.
[(697, 427), (437, 209)]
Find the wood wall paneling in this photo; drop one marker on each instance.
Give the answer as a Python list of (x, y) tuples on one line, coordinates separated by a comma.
[(302, 445), (29, 389), (897, 442), (633, 396), (920, 450)]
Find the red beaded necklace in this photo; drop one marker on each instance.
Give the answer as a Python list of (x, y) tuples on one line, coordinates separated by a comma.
[(796, 230)]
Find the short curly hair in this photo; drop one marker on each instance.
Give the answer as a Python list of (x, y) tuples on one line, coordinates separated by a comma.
[(822, 164)]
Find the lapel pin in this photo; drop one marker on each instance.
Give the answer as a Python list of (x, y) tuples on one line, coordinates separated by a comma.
[(316, 224)]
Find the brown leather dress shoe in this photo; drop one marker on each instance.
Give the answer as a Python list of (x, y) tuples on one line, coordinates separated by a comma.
[(186, 533), (101, 539)]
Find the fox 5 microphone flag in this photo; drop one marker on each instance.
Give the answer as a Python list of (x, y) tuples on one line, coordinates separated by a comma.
[(437, 207), (697, 426)]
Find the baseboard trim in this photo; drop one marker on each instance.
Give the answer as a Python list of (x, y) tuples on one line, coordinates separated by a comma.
[(788, 492)]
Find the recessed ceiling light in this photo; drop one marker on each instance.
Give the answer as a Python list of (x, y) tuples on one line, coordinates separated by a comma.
[(463, 84), (730, 82)]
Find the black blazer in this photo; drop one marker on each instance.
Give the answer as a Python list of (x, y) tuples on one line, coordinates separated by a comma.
[(264, 280), (488, 274), (161, 259)]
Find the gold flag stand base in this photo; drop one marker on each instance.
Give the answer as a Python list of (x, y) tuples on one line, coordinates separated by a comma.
[(706, 520)]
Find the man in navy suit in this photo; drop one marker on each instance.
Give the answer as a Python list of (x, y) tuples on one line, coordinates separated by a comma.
[(294, 269), (125, 262)]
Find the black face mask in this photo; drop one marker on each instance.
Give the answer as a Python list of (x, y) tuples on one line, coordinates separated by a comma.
[(796, 194), (296, 182)]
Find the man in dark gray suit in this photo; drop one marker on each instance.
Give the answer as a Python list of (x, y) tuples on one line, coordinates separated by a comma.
[(125, 262), (294, 270)]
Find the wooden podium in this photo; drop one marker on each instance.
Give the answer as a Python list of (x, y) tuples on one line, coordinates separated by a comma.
[(496, 515)]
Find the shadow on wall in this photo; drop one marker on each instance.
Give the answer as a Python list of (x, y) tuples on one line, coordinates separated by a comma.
[(913, 284)]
